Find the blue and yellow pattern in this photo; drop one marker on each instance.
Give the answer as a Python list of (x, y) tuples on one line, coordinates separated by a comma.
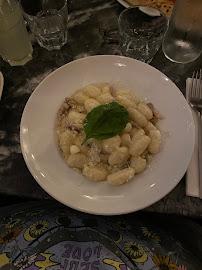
[(58, 238)]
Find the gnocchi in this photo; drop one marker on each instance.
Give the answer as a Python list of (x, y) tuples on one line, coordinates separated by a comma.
[(119, 156), (105, 98), (117, 159), (138, 164), (120, 177), (90, 104), (109, 145), (95, 172), (137, 117), (155, 142)]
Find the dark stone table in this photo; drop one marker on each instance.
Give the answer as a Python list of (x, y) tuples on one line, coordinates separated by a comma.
[(87, 19)]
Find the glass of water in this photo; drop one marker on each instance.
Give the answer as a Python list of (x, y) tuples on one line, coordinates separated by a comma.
[(141, 31), (47, 20), (183, 40)]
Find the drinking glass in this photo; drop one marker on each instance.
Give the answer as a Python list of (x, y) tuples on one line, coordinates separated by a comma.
[(47, 20), (15, 45), (141, 31), (183, 40)]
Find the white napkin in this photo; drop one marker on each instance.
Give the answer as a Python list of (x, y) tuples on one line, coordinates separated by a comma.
[(192, 177)]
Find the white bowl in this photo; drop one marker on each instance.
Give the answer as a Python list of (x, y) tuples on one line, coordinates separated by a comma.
[(44, 159)]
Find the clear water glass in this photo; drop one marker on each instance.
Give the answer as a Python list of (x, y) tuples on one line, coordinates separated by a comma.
[(141, 31), (47, 20), (183, 40)]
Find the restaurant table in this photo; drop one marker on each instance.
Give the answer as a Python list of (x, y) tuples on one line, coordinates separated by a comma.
[(90, 23)]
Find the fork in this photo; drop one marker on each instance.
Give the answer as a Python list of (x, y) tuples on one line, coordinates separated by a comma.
[(195, 100)]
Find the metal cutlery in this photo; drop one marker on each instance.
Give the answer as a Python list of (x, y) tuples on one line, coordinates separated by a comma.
[(195, 100)]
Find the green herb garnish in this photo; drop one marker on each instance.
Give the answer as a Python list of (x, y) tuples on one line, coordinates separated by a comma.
[(105, 121)]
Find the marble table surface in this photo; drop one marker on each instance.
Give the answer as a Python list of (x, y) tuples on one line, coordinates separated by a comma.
[(86, 21)]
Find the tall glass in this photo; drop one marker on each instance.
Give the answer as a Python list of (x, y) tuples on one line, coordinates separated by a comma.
[(15, 45), (183, 40)]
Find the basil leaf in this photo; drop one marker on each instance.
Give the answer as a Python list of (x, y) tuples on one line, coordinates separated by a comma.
[(105, 121)]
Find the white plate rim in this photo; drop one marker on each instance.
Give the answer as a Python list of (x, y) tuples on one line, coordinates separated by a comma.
[(104, 212), (124, 3)]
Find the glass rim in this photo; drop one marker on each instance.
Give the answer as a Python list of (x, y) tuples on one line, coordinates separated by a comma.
[(34, 16), (138, 6), (2, 15)]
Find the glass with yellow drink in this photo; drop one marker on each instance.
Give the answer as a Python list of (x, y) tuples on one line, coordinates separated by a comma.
[(15, 45)]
